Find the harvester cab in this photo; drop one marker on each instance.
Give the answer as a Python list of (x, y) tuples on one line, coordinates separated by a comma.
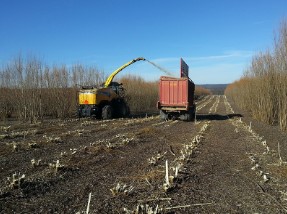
[(107, 101)]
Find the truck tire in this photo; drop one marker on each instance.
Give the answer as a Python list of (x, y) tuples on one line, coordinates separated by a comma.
[(193, 113), (163, 115), (185, 116), (107, 112), (193, 116)]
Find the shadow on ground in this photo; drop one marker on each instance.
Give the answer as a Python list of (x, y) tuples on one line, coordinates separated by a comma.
[(200, 117)]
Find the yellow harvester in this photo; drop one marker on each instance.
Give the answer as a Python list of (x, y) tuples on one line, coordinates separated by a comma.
[(107, 101)]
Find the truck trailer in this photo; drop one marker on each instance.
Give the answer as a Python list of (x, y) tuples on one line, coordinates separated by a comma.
[(176, 96)]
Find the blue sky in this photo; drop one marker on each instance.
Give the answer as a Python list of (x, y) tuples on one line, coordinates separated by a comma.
[(217, 39)]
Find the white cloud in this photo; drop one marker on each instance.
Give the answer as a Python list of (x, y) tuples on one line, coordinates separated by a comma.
[(225, 55)]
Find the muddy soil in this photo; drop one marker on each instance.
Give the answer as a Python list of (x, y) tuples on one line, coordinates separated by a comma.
[(220, 163)]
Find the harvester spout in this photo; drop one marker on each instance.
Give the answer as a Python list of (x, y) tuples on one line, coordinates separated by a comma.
[(111, 77)]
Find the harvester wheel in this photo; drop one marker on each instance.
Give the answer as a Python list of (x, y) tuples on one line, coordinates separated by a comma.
[(123, 110), (128, 111), (107, 112)]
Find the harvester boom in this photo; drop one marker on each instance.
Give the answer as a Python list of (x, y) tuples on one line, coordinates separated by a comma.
[(111, 77)]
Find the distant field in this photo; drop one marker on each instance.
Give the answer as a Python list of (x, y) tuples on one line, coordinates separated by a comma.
[(215, 88)]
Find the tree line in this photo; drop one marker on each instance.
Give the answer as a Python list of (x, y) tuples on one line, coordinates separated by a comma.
[(30, 90), (262, 90)]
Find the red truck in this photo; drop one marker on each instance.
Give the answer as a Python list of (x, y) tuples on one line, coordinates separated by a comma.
[(176, 96)]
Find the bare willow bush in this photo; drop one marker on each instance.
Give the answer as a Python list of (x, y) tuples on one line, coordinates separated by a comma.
[(263, 88), (31, 90), (142, 95), (18, 81), (201, 91)]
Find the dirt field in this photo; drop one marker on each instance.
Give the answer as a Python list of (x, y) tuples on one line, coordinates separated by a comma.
[(224, 163)]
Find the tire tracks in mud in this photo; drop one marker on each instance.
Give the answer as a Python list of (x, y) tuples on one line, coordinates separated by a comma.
[(20, 161), (211, 167), (108, 154), (72, 135), (229, 172), (266, 163), (175, 170), (108, 169)]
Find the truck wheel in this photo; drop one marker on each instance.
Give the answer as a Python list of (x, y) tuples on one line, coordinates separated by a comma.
[(193, 113), (163, 115), (107, 112), (186, 116), (193, 116)]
